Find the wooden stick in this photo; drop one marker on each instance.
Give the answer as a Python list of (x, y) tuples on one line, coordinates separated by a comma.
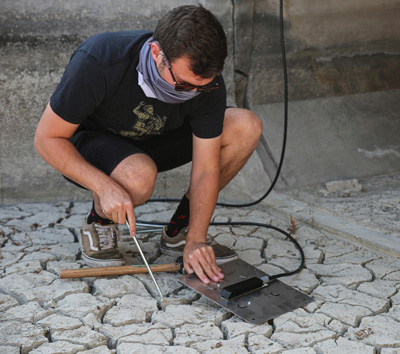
[(123, 270)]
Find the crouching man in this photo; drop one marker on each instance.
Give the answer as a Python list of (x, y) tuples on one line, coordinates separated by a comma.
[(134, 103)]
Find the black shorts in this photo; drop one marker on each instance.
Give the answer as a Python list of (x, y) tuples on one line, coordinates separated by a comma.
[(106, 150)]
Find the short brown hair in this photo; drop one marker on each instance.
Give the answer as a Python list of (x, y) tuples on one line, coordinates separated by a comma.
[(194, 32)]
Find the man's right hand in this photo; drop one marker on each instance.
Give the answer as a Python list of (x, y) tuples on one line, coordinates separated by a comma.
[(117, 205)]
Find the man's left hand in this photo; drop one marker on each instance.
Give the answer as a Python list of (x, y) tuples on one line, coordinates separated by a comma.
[(198, 257)]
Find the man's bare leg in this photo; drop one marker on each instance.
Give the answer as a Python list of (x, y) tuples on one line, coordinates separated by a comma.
[(240, 137)]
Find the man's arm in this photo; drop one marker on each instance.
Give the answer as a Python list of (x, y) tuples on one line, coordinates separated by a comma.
[(52, 144), (204, 188)]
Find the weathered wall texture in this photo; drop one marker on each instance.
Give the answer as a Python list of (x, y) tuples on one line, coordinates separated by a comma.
[(333, 48)]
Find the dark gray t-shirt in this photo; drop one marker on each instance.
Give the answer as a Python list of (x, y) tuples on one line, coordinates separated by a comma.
[(99, 90)]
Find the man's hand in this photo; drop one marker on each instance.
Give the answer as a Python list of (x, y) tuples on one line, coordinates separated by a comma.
[(198, 257), (117, 205)]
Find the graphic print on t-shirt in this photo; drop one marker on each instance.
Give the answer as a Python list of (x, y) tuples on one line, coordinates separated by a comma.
[(146, 122)]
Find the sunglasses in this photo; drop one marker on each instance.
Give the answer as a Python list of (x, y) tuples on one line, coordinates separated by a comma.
[(185, 86)]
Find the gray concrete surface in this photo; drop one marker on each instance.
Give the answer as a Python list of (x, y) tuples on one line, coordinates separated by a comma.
[(368, 216), (334, 49), (355, 285), (333, 138)]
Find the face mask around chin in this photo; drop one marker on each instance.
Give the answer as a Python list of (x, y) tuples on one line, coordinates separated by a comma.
[(161, 89)]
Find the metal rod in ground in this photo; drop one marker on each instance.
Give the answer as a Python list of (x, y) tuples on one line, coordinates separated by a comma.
[(142, 227), (145, 262), (148, 227), (151, 225)]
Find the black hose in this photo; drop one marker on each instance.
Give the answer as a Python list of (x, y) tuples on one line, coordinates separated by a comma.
[(285, 128), (290, 237)]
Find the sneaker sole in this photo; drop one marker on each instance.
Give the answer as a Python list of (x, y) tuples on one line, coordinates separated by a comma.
[(176, 253), (170, 252), (226, 260), (93, 262)]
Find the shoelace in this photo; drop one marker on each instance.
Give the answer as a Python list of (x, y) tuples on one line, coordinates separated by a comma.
[(108, 235)]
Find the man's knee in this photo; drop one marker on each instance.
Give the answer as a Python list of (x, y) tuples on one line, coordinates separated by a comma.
[(254, 125), (137, 174), (244, 126)]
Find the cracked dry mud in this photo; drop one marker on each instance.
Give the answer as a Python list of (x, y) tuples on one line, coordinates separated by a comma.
[(356, 291)]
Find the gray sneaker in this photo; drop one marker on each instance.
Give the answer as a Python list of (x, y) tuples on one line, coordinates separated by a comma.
[(99, 245), (173, 246)]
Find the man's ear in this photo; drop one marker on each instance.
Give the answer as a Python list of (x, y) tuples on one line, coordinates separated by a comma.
[(155, 52)]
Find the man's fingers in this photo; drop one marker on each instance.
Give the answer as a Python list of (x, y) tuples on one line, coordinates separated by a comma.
[(121, 216), (208, 254), (198, 269), (117, 205), (188, 268), (115, 216), (210, 265), (211, 271), (131, 221), (203, 263)]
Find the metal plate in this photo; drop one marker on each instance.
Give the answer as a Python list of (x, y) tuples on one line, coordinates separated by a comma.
[(255, 307)]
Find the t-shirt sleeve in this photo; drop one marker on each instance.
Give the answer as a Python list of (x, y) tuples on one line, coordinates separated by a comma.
[(207, 118), (81, 90)]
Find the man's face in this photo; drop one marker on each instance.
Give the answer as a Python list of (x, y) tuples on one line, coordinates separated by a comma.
[(180, 68)]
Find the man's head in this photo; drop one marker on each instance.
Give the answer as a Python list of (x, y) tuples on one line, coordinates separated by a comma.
[(193, 33)]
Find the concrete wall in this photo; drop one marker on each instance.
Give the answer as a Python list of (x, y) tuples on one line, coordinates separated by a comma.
[(343, 62), (333, 47), (334, 138)]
